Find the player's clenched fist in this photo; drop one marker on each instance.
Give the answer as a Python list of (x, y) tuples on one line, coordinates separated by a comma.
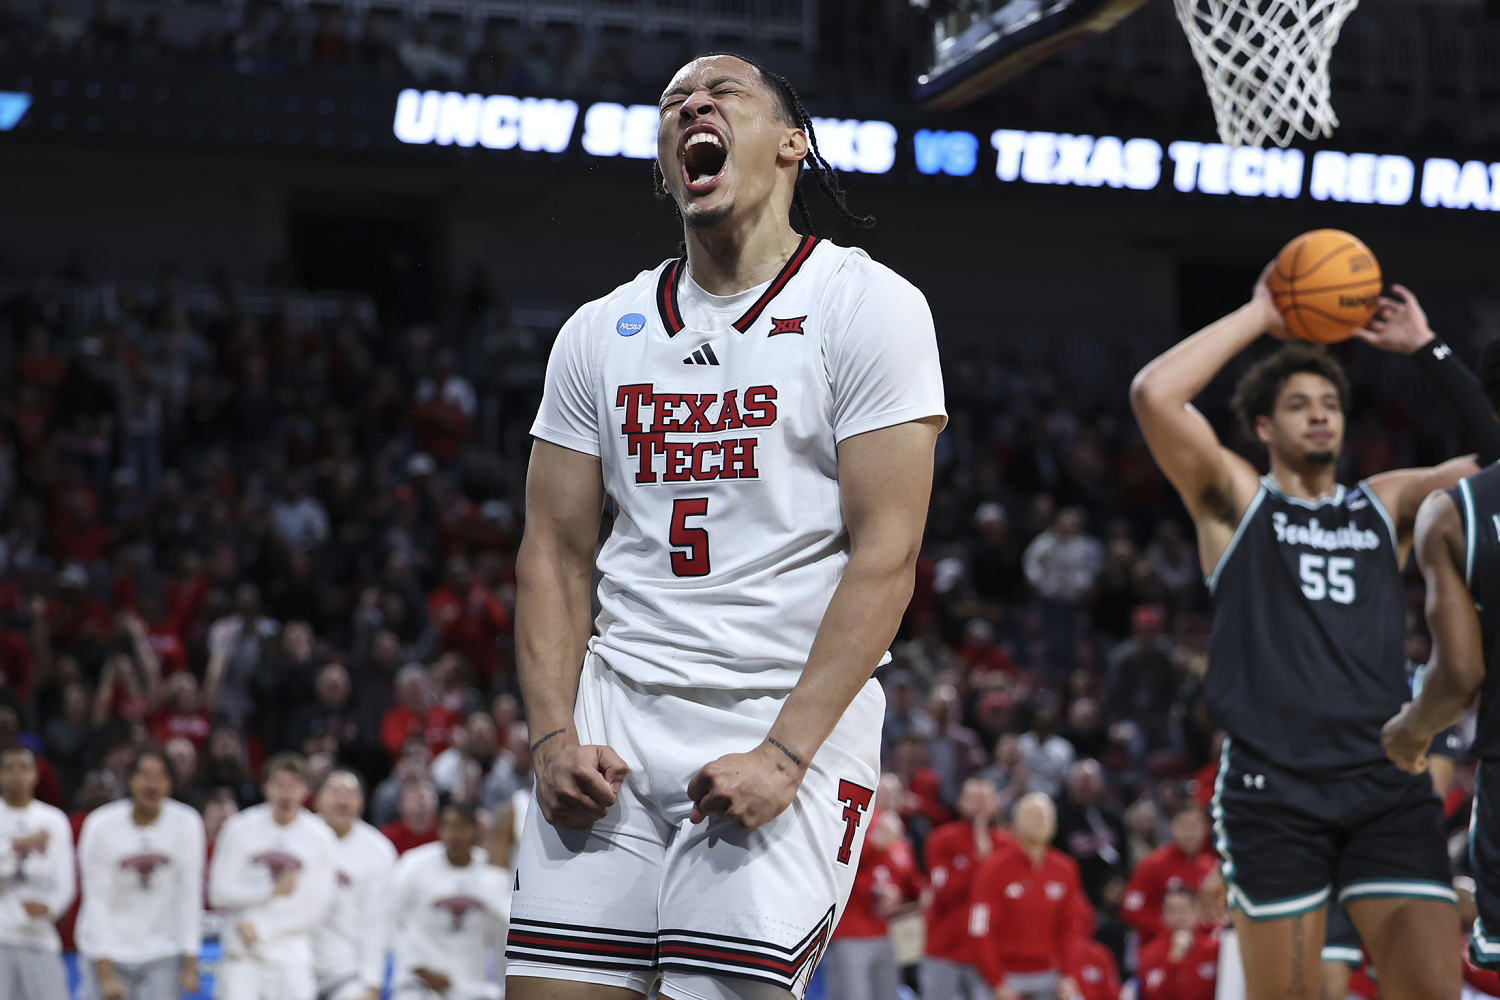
[(576, 785), (1406, 747), (750, 788)]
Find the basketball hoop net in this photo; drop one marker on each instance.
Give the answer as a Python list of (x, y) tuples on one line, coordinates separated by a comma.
[(1265, 63)]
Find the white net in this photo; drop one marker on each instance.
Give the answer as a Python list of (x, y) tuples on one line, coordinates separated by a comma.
[(1265, 63)]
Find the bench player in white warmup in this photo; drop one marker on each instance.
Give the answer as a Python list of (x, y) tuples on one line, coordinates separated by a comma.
[(448, 907), (763, 413), (273, 870), (140, 860), (349, 948), (36, 883)]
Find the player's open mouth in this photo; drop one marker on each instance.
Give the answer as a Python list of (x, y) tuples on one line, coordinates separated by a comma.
[(704, 155)]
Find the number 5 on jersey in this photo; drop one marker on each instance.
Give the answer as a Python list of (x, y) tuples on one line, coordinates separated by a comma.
[(693, 562), (1327, 578)]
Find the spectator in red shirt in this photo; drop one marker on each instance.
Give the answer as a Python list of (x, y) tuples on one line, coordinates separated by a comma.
[(921, 805), (182, 713), (168, 628), (1094, 971), (982, 653), (1186, 861), (1028, 908), (418, 817), (1182, 963), (954, 852), (468, 617), (73, 617), (860, 963), (77, 534), (414, 714)]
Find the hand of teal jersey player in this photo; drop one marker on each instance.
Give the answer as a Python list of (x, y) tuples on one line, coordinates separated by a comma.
[(1404, 745)]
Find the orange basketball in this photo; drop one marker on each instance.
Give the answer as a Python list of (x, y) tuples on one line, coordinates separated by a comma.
[(1326, 284)]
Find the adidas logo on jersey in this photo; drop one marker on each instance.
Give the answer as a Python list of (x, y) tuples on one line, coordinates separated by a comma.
[(702, 356)]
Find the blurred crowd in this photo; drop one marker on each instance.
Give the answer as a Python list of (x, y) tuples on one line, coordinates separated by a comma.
[(862, 58), (260, 38), (234, 525)]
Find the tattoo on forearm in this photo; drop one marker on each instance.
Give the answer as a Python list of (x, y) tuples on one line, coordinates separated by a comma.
[(783, 748), (544, 739)]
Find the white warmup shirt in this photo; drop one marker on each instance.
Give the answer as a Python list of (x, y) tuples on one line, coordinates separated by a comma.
[(717, 421), (142, 886), (350, 943), (43, 874), (252, 849), (445, 919)]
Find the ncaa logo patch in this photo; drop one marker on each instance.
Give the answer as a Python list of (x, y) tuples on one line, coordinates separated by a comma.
[(630, 324)]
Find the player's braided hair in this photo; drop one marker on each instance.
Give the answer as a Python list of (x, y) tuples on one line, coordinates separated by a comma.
[(794, 113), (1255, 395)]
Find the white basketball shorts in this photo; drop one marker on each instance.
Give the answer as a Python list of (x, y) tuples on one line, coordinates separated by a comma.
[(717, 912)]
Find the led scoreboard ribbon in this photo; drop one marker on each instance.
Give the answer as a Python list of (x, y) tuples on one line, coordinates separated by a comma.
[(871, 146)]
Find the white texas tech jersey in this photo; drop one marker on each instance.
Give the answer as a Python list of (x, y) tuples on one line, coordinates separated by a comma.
[(718, 441)]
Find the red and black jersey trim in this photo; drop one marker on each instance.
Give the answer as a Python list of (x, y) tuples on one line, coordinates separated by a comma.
[(588, 947), (789, 968), (671, 311), (788, 271), (666, 297)]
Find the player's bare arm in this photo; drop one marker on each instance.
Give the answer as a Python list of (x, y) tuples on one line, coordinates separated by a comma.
[(1404, 491), (1456, 670), (1215, 483), (576, 784), (885, 479)]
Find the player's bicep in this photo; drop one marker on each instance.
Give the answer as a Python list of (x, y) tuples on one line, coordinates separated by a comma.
[(1212, 480), (1458, 645), (564, 498), (885, 481), (1403, 491)]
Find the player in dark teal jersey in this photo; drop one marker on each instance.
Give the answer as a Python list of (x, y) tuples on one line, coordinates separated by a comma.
[(1458, 548), (1307, 656)]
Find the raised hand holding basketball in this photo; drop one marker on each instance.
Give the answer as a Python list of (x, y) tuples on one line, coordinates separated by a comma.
[(1264, 302), (1398, 325)]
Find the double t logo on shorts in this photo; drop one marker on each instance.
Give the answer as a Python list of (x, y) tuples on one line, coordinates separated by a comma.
[(856, 799)]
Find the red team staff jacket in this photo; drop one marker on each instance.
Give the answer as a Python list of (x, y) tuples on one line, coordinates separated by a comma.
[(1163, 869), (1025, 917), (1093, 969), (892, 871), (951, 864), (1193, 977)]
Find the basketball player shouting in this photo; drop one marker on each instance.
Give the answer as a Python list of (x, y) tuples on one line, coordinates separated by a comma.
[(1306, 656), (763, 413)]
